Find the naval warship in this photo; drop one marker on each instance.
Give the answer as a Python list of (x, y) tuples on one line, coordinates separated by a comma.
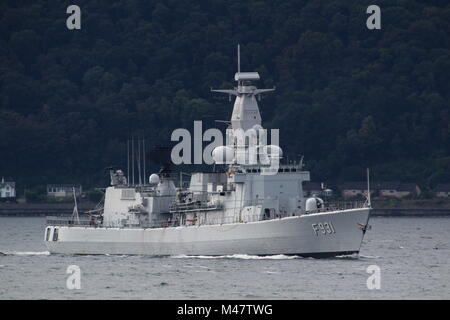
[(244, 207)]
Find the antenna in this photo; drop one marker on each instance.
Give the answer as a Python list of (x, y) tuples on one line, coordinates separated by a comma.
[(132, 158), (139, 161), (239, 58), (128, 161), (368, 188), (75, 216), (143, 159)]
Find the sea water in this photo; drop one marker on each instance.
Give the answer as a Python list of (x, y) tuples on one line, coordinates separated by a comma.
[(412, 256)]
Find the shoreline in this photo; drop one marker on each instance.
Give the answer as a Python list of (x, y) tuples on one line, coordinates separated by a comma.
[(42, 209), (408, 212)]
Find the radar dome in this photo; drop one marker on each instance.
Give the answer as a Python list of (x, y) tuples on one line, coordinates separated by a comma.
[(313, 204), (222, 155), (153, 179)]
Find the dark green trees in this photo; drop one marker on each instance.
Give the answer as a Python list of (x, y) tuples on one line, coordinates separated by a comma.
[(347, 97)]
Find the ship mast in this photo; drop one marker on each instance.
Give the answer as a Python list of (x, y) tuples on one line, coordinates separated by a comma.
[(239, 58), (369, 204), (75, 216), (246, 111)]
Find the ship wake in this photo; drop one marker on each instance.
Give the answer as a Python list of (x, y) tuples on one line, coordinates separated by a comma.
[(239, 256), (25, 253), (355, 256)]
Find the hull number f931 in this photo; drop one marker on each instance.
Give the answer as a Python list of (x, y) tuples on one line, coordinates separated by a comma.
[(323, 228)]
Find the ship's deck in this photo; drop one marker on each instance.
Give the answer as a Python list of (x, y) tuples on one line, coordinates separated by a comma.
[(333, 207)]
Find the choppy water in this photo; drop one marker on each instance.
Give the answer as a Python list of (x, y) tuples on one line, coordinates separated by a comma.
[(413, 255)]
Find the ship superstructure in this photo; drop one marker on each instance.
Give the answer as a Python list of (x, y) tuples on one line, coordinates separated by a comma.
[(250, 203)]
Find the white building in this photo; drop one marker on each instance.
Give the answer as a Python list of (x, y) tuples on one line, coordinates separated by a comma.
[(7, 189), (398, 189), (63, 190), (354, 189), (442, 190)]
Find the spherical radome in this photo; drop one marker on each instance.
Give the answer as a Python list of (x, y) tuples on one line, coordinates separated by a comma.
[(153, 179), (223, 155)]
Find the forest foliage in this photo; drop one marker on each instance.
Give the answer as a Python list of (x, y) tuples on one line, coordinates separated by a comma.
[(347, 97)]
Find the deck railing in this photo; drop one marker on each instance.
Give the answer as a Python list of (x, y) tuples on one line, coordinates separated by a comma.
[(204, 220), (69, 221), (340, 205)]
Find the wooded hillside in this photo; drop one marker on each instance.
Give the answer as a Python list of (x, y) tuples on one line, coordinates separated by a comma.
[(347, 97)]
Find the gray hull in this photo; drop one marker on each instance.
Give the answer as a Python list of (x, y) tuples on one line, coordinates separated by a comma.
[(299, 235)]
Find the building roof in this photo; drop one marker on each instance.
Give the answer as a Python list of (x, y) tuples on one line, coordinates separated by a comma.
[(9, 183), (64, 186), (383, 185), (442, 187)]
